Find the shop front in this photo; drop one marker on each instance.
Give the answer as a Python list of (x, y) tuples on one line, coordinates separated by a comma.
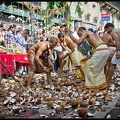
[(84, 24)]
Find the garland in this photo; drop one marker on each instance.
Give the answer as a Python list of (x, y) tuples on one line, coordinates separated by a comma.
[(51, 12), (51, 55)]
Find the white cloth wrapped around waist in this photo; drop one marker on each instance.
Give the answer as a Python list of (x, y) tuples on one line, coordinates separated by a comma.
[(76, 56)]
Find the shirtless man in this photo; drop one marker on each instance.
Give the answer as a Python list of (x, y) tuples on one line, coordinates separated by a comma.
[(39, 58), (109, 69), (115, 34), (94, 66), (70, 49)]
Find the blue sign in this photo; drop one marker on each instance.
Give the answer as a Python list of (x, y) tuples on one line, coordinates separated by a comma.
[(105, 19)]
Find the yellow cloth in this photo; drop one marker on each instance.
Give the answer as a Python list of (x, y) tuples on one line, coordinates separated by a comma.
[(69, 64), (79, 74), (1, 37), (118, 67), (76, 56), (94, 69), (72, 60)]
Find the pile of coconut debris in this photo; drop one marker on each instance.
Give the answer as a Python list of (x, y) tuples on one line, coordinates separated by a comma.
[(67, 94)]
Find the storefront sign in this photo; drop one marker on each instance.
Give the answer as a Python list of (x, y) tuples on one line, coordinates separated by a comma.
[(86, 25), (105, 17)]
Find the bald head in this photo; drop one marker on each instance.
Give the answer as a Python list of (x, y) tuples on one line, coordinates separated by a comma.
[(53, 40)]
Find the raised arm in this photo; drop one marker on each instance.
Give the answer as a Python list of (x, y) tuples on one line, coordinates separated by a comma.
[(117, 41), (82, 38)]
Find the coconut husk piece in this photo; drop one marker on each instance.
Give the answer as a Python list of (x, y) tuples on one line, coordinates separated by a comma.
[(10, 72)]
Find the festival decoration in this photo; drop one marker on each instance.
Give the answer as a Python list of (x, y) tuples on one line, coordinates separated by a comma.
[(28, 19), (18, 19), (41, 23), (37, 22), (29, 25), (35, 27), (11, 17), (53, 11), (23, 21), (18, 26)]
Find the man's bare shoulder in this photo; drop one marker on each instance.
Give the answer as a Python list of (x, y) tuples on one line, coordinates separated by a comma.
[(67, 38), (43, 43), (113, 32)]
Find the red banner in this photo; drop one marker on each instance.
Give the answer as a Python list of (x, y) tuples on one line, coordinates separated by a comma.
[(107, 15)]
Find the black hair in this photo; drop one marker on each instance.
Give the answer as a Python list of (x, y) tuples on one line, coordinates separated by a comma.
[(12, 26), (63, 25), (27, 31), (109, 25), (90, 29), (60, 35), (100, 33), (43, 31), (81, 28), (95, 31)]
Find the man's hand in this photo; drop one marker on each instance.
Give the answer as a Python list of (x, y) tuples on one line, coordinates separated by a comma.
[(46, 69), (51, 67), (118, 54)]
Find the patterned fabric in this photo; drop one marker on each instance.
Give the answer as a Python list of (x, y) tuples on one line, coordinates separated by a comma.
[(1, 39), (11, 37), (84, 48), (21, 44)]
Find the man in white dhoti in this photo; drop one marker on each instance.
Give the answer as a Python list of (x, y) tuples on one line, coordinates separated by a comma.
[(115, 34), (70, 50), (94, 66), (109, 69)]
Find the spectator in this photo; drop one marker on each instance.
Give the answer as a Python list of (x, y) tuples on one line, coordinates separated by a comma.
[(10, 37), (20, 40), (4, 32), (1, 36)]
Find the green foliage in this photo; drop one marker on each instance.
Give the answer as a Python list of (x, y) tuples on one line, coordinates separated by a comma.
[(59, 5), (78, 10)]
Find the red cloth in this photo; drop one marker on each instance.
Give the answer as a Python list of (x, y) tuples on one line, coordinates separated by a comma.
[(10, 59)]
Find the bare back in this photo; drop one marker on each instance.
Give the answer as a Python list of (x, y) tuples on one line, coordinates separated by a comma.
[(107, 39), (39, 48), (69, 42), (93, 39), (118, 33)]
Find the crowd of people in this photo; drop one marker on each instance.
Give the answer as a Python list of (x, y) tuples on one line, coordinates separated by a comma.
[(94, 53)]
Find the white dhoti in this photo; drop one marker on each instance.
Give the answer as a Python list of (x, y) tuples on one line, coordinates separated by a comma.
[(69, 64), (76, 57), (94, 68), (73, 60)]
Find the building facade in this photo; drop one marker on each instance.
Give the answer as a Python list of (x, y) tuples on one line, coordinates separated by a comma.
[(92, 12)]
